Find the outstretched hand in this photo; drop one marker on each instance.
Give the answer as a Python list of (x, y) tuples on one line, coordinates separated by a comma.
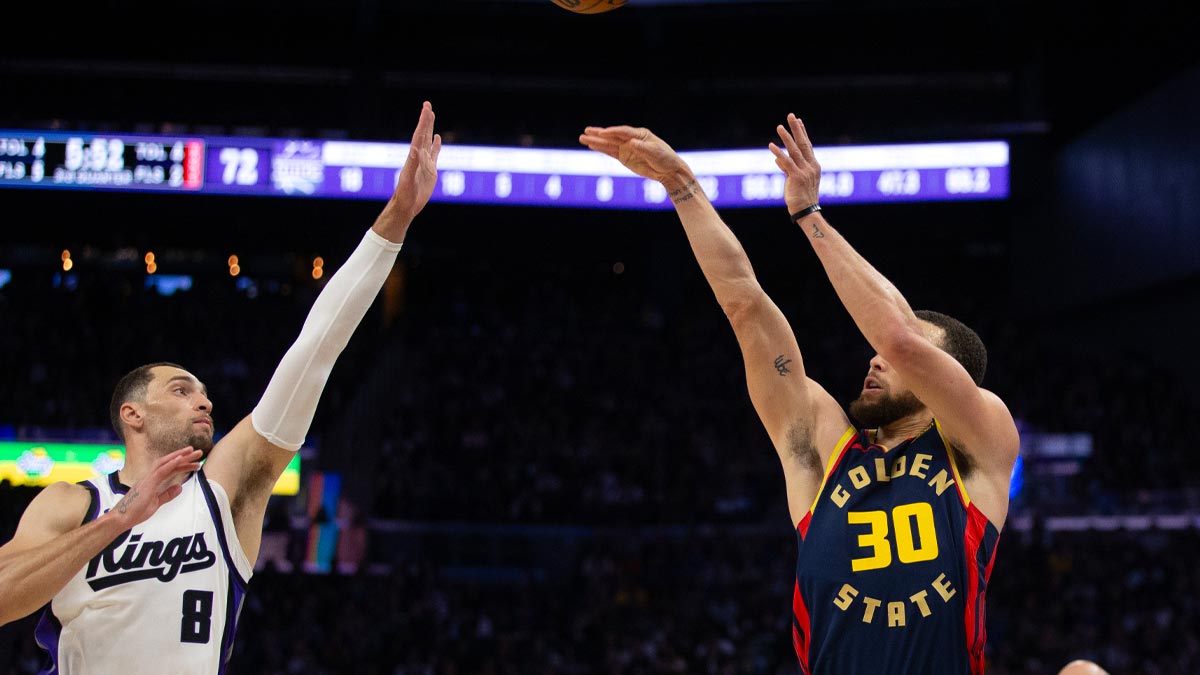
[(802, 188), (419, 175), (157, 487), (639, 150)]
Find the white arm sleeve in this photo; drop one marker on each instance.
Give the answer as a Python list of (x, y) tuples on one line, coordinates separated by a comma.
[(286, 409)]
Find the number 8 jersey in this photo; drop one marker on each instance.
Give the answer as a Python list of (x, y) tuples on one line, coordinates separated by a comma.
[(161, 598), (893, 565)]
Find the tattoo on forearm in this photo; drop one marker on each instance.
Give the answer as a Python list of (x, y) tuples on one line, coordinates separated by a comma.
[(684, 193), (124, 505), (781, 365), (817, 233)]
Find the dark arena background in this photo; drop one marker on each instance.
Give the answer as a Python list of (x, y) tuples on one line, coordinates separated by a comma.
[(537, 454)]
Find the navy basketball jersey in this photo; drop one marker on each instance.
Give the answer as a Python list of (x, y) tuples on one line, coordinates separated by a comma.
[(163, 597), (893, 565)]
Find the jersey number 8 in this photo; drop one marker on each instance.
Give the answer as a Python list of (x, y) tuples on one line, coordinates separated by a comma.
[(197, 617)]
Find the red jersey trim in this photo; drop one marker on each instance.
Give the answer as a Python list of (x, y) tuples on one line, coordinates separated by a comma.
[(974, 602), (801, 628)]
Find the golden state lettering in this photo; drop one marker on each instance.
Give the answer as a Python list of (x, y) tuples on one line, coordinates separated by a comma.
[(896, 613), (860, 477)]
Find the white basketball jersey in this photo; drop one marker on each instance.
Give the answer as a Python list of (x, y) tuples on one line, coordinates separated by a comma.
[(162, 598)]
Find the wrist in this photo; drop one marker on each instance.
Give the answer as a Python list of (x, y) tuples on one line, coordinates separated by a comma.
[(114, 522), (392, 223), (805, 211), (677, 179)]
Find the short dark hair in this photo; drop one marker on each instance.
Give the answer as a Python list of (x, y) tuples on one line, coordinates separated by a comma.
[(132, 387), (960, 342)]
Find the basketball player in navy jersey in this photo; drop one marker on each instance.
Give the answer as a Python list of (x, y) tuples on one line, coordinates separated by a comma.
[(145, 569), (897, 518)]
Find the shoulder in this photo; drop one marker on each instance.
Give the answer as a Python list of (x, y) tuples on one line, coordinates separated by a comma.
[(67, 501), (63, 495), (59, 508)]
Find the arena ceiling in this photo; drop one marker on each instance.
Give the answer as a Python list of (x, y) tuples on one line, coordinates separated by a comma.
[(526, 71)]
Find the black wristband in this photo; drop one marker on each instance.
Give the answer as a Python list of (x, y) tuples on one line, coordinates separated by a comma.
[(804, 212)]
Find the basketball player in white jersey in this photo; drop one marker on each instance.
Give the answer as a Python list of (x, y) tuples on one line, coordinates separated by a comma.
[(144, 569)]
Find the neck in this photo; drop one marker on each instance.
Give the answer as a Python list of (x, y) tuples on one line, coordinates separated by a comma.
[(904, 428), (139, 461)]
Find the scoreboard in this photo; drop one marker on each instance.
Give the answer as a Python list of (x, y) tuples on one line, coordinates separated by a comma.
[(289, 167)]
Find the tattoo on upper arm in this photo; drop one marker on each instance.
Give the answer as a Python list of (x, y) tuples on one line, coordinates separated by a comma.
[(817, 233), (684, 193), (781, 365)]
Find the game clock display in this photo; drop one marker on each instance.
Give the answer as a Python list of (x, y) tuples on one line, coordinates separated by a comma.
[(485, 174), (45, 159)]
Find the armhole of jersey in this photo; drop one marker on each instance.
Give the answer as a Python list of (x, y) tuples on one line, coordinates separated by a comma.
[(958, 481), (218, 504), (94, 506), (838, 451)]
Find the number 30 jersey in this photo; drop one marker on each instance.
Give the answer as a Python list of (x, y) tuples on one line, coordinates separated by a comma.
[(893, 565), (161, 598)]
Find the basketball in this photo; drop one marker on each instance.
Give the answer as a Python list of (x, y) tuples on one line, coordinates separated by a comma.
[(589, 6)]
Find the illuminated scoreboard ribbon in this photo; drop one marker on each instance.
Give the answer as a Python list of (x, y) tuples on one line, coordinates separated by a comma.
[(486, 175)]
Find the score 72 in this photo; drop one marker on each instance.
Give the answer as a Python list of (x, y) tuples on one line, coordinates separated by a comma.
[(240, 166)]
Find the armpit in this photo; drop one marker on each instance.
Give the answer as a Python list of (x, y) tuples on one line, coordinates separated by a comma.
[(966, 465), (801, 449)]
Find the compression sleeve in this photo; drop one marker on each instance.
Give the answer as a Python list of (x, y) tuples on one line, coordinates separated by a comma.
[(286, 409)]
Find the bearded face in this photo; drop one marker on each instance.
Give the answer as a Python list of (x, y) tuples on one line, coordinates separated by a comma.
[(876, 408), (168, 435)]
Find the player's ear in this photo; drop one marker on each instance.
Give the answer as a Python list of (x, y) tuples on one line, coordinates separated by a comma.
[(132, 415)]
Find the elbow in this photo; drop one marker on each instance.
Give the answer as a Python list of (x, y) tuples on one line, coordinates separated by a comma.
[(901, 344), (742, 307)]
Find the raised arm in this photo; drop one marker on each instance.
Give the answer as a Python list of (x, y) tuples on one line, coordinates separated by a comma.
[(250, 459), (802, 419), (974, 419), (50, 546)]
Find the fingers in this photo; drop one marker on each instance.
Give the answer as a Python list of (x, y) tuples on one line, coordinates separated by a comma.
[(782, 160), (184, 460), (177, 455), (606, 146), (618, 133), (801, 136), (437, 148), (169, 494), (422, 135), (795, 154)]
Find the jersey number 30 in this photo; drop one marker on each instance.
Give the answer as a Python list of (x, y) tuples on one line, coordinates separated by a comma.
[(908, 550), (197, 617)]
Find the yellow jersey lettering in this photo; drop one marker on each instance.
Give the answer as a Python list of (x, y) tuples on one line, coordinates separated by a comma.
[(860, 477), (940, 482), (839, 495), (906, 550), (898, 466), (876, 540), (895, 614), (919, 600), (942, 586), (880, 471), (845, 597), (872, 604), (920, 465)]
